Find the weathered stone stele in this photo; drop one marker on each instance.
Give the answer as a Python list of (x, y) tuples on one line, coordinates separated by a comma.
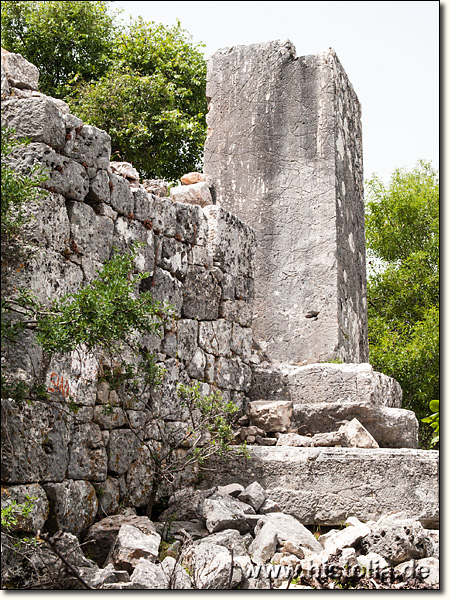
[(284, 152)]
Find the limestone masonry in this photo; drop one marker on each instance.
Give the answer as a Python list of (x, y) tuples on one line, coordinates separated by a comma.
[(262, 258), (284, 150)]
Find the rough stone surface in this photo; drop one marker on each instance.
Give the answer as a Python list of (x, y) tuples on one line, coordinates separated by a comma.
[(427, 567), (289, 529), (87, 456), (324, 382), (35, 443), (267, 106), (64, 176), (37, 119), (196, 193), (357, 435), (34, 498), (19, 72), (73, 505), (254, 495), (191, 178), (210, 566), (327, 485), (177, 577), (89, 146), (101, 536), (398, 540), (271, 416), (221, 512), (390, 427), (131, 545)]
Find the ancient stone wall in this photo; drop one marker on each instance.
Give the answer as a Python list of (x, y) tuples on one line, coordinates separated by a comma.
[(199, 260), (284, 151)]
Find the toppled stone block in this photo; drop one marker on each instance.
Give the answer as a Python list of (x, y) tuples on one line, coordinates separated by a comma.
[(390, 427), (38, 119), (196, 193), (221, 511), (191, 178), (19, 72), (101, 536), (294, 439), (232, 489), (357, 435), (33, 499), (427, 568), (125, 170), (210, 566), (64, 176), (131, 545), (398, 539), (73, 505), (254, 495), (325, 382), (271, 416), (157, 187)]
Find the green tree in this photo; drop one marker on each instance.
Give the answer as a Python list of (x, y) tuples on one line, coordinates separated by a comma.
[(67, 41), (402, 236), (143, 83), (152, 101)]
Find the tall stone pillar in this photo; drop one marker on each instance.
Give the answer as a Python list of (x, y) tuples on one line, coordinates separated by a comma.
[(284, 150)]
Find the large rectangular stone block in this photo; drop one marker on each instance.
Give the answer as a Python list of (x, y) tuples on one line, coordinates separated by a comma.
[(328, 485), (324, 382), (284, 152)]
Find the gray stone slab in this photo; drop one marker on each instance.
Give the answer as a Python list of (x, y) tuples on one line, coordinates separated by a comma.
[(328, 485), (391, 427), (324, 382), (284, 152)]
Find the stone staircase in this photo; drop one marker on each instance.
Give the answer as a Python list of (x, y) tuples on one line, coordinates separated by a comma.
[(299, 449)]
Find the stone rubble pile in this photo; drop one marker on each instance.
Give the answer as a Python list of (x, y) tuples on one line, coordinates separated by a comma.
[(234, 537)]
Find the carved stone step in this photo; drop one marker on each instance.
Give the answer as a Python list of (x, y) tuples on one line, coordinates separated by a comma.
[(328, 485), (324, 382)]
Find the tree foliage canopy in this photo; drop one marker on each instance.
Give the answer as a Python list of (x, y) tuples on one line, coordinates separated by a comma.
[(402, 235), (143, 83), (67, 41)]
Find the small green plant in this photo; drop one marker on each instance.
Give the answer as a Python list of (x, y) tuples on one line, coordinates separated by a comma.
[(14, 513), (18, 189), (433, 421)]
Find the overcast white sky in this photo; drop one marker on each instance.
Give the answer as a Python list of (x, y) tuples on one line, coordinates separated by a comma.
[(390, 51)]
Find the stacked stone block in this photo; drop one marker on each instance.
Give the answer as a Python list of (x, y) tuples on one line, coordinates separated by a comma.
[(198, 260)]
